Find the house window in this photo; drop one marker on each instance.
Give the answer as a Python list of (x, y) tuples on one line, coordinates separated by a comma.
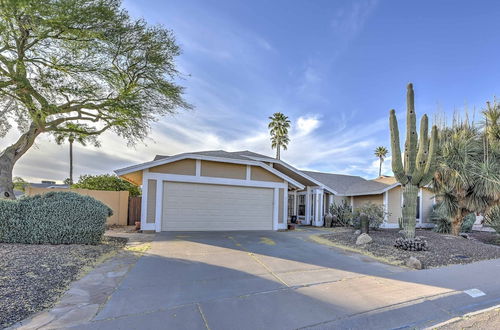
[(302, 205), (290, 205)]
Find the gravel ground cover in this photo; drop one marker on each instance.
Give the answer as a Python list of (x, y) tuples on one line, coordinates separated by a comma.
[(32, 277), (486, 237), (443, 249)]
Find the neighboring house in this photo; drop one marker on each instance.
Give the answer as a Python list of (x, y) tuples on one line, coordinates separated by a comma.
[(219, 190)]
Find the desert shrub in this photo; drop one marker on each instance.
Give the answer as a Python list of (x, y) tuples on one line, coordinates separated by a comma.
[(375, 213), (54, 218), (492, 218), (468, 223), (342, 214), (443, 223)]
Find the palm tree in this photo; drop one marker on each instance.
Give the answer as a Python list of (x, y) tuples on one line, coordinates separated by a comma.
[(73, 137), (380, 152), (278, 128)]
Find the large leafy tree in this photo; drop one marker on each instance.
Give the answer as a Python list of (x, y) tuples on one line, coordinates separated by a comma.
[(467, 177), (278, 128), (83, 67), (380, 152)]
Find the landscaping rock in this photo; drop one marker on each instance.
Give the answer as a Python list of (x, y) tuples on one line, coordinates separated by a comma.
[(357, 232), (441, 249), (363, 239), (464, 235), (413, 262)]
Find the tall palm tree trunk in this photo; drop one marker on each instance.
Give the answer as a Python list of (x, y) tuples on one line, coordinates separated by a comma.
[(71, 161), (278, 152), (380, 167)]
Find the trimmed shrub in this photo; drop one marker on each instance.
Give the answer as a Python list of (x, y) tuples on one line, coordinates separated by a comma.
[(492, 218), (53, 218)]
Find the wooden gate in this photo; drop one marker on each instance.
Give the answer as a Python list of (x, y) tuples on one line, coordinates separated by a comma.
[(134, 210)]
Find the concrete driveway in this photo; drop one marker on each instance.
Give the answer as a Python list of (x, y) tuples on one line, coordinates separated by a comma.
[(271, 280)]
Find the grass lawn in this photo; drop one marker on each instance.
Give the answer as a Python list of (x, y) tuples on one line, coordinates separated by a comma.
[(443, 249), (32, 277)]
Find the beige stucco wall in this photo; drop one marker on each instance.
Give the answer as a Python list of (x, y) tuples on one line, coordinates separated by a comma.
[(260, 174), (223, 170), (280, 204), (151, 202), (394, 209), (360, 200), (116, 200), (427, 203), (182, 167), (340, 199)]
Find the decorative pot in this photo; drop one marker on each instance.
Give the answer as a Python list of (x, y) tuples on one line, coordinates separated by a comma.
[(137, 225)]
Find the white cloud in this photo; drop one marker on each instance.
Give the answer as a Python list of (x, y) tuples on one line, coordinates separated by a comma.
[(306, 124)]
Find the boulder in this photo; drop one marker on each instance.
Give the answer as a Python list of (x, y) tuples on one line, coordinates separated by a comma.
[(363, 239), (464, 235), (413, 262), (357, 232)]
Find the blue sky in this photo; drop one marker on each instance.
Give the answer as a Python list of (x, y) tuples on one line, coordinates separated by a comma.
[(334, 67)]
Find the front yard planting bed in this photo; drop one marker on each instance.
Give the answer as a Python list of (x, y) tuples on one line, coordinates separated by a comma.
[(32, 277), (442, 249)]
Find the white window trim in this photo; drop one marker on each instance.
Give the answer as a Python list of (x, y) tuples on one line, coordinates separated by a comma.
[(249, 173), (159, 204), (276, 208), (198, 167), (284, 225)]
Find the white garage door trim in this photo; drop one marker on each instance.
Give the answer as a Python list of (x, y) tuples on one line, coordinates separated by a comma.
[(207, 207), (161, 177)]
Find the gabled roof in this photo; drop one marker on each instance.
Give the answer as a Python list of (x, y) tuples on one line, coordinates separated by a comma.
[(239, 157), (350, 185), (338, 184)]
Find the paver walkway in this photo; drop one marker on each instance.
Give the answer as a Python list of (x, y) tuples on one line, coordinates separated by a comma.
[(282, 280)]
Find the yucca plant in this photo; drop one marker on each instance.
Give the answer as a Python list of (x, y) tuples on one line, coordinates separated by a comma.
[(467, 178)]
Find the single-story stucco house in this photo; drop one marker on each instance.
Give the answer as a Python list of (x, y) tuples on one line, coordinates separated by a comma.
[(219, 190)]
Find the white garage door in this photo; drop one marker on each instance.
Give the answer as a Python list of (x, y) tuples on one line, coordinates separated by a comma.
[(199, 207)]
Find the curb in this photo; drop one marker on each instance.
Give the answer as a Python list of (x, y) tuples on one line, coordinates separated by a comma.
[(460, 318)]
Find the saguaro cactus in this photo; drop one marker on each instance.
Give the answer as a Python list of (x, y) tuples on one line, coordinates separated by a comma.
[(419, 159)]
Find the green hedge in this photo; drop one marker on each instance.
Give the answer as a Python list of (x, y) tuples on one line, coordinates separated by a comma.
[(54, 218)]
